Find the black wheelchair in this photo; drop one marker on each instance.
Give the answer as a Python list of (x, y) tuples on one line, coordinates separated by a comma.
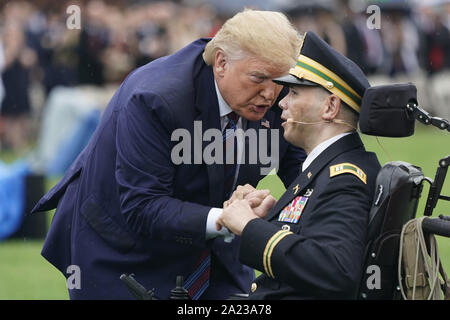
[(391, 111), (387, 111)]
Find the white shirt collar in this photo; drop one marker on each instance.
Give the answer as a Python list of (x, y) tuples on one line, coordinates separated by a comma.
[(224, 108), (320, 148)]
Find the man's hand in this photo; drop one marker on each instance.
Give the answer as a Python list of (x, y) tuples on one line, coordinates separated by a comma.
[(247, 203), (240, 193), (261, 201), (236, 216)]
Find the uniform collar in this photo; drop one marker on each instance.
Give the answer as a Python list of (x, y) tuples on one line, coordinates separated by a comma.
[(304, 180), (320, 148)]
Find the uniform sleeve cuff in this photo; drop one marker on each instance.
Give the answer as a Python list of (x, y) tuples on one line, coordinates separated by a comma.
[(254, 240)]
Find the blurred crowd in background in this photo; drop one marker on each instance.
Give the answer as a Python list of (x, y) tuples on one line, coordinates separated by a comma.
[(55, 81)]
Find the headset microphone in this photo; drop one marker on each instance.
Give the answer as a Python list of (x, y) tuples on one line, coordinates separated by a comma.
[(290, 120)]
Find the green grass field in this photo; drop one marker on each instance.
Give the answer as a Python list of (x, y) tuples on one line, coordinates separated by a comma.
[(24, 274)]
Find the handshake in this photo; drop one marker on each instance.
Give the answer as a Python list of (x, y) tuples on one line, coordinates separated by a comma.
[(246, 203)]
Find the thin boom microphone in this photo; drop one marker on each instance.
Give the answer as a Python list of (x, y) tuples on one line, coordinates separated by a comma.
[(290, 120)]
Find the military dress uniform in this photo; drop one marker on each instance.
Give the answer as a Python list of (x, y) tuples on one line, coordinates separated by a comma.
[(311, 244)]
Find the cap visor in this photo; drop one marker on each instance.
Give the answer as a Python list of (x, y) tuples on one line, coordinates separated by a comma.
[(289, 79)]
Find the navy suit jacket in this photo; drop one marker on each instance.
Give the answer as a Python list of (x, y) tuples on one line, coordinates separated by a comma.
[(124, 207)]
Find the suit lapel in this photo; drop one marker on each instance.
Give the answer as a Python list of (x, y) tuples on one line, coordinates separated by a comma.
[(208, 107), (299, 186)]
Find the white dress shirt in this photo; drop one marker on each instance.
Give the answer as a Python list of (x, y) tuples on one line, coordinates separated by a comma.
[(214, 213)]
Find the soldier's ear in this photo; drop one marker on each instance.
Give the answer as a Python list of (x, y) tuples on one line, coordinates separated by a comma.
[(332, 107)]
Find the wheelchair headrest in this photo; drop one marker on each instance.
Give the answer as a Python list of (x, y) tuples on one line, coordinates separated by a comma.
[(384, 113)]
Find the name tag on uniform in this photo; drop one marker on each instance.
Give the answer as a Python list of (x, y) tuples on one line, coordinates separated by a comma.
[(292, 212)]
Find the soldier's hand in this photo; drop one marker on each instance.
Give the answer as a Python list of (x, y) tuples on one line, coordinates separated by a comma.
[(261, 203), (236, 216), (240, 193)]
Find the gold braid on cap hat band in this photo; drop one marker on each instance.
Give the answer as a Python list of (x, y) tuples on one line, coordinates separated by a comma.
[(308, 69)]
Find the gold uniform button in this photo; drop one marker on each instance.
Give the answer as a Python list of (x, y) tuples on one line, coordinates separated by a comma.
[(330, 85), (254, 287), (286, 227)]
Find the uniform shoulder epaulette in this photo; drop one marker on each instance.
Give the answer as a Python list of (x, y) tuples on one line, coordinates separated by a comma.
[(346, 167)]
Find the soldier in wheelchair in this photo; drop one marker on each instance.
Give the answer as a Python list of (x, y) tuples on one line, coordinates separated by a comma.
[(310, 244), (340, 227)]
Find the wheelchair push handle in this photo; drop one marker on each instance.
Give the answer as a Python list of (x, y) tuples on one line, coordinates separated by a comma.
[(438, 226), (436, 186)]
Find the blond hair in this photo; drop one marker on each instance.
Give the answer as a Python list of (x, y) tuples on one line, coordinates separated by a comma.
[(266, 35)]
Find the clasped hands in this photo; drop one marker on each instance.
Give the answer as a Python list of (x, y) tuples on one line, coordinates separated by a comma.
[(245, 204)]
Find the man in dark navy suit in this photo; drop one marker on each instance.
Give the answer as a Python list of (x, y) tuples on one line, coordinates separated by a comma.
[(310, 245), (129, 205)]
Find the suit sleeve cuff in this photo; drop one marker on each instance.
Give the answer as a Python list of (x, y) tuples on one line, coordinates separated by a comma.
[(258, 240)]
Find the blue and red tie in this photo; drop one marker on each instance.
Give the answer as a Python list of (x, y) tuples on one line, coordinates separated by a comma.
[(198, 281), (230, 153)]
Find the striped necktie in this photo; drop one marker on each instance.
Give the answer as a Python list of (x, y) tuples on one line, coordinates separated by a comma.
[(230, 153), (198, 281)]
